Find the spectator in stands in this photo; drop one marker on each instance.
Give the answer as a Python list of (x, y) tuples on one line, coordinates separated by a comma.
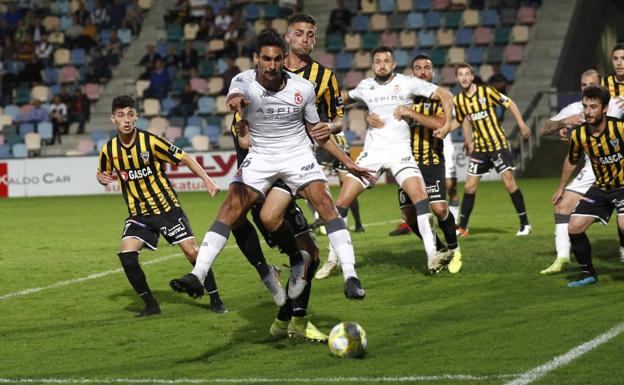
[(339, 19), (189, 59), (6, 88), (36, 115), (222, 22), (178, 14), (160, 82), (79, 110), (81, 13), (73, 33), (64, 95), (26, 48), (206, 25), (44, 51), (231, 71), (12, 17), (99, 68), (88, 38), (247, 42), (187, 102), (232, 41), (114, 49), (99, 16), (58, 117), (36, 30), (172, 59), (198, 9), (148, 60), (134, 16), (21, 31), (117, 14), (31, 73), (126, 29), (217, 5), (8, 48), (13, 66)]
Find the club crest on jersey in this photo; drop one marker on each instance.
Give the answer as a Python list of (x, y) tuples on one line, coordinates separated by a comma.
[(298, 98), (615, 142), (123, 174), (397, 89), (145, 156)]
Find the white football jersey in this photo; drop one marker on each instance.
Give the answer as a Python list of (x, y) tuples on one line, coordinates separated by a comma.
[(277, 119), (576, 108), (383, 100)]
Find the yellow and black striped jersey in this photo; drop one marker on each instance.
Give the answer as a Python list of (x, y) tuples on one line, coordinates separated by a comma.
[(427, 149), (144, 184), (487, 133), (605, 151), (615, 88)]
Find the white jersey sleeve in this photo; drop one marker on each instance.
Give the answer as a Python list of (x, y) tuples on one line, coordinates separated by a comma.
[(571, 109), (614, 110), (419, 87), (241, 82), (311, 114), (359, 91)]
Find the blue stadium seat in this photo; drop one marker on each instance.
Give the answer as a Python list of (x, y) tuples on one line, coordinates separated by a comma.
[(432, 20), (51, 75), (166, 105), (125, 36), (438, 56), (12, 110), (212, 132), (386, 6), (78, 57), (402, 58), (452, 19), (206, 68), (333, 42), (476, 55), (489, 17), (142, 124), (182, 142), (344, 61), (5, 151), (97, 135), (494, 54), (25, 128), (205, 105), (22, 94), (463, 36), (359, 23), (19, 150), (422, 5), (509, 71), (252, 12), (45, 129), (105, 36), (196, 121), (370, 41), (414, 20), (426, 38), (396, 21), (501, 35), (65, 23), (191, 131), (271, 11), (174, 32)]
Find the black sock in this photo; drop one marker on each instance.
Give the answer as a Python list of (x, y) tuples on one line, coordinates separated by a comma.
[(518, 201), (621, 236), (210, 284), (136, 276), (355, 211), (342, 211), (285, 239), (249, 244), (466, 208), (448, 228), (582, 251), (414, 226), (300, 304)]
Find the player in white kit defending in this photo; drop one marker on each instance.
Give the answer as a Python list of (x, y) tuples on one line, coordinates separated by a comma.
[(566, 197), (278, 111), (389, 148)]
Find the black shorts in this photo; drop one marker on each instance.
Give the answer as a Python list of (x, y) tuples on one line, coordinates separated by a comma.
[(173, 225), (435, 184), (599, 203), (482, 162), (293, 216), (324, 158)]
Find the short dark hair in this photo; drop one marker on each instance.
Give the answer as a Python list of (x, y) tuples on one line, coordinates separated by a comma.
[(464, 65), (301, 18), (122, 101), (597, 92), (618, 47), (383, 48), (270, 38), (422, 56)]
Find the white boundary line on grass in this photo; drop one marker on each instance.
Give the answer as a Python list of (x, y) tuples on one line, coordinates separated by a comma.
[(540, 371), (256, 380), (119, 270)]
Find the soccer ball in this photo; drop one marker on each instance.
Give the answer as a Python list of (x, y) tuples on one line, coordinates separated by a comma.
[(348, 339)]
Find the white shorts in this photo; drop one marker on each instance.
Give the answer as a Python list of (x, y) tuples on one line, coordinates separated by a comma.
[(297, 170), (400, 165), (584, 180), (449, 158)]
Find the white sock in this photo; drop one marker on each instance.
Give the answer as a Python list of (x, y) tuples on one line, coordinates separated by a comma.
[(332, 257), (341, 242), (210, 248), (562, 241), (425, 227), (455, 211)]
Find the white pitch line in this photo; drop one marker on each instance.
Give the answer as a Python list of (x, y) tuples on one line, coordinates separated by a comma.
[(255, 380), (115, 271), (540, 371)]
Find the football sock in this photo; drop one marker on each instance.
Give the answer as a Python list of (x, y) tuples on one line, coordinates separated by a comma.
[(214, 241), (414, 226), (300, 304), (249, 244), (454, 208), (210, 284), (621, 236), (423, 216), (355, 211), (518, 201), (130, 263), (466, 208), (582, 251), (285, 239), (562, 239), (341, 242), (448, 228)]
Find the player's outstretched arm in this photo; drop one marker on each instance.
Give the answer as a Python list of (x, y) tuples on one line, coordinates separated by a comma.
[(236, 102), (431, 122), (104, 178), (198, 170), (467, 136), (446, 98), (552, 126), (525, 132)]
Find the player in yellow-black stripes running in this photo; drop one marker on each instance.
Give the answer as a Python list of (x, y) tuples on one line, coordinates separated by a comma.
[(487, 146), (615, 82), (136, 156)]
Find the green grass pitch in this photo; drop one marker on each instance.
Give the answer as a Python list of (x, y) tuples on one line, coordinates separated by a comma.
[(495, 319)]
